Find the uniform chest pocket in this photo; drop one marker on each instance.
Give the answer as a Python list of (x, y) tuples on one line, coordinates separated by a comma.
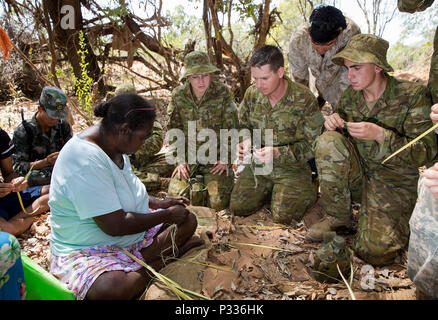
[(210, 117), (285, 123)]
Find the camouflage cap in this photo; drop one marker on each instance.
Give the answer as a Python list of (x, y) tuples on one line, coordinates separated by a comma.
[(365, 48), (54, 101), (197, 62), (125, 88)]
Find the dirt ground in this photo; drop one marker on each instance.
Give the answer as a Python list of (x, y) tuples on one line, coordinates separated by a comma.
[(282, 273)]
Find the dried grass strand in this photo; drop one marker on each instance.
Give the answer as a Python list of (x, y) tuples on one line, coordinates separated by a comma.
[(411, 142), (261, 246), (207, 265), (180, 292), (346, 282)]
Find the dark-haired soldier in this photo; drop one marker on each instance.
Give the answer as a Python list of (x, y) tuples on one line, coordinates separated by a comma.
[(314, 45), (39, 140), (290, 110)]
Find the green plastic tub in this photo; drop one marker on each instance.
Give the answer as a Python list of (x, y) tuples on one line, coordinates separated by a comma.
[(41, 285)]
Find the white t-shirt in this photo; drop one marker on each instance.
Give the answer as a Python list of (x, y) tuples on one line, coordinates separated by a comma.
[(86, 183)]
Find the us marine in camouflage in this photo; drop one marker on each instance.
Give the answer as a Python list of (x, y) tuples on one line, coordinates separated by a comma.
[(39, 140), (313, 47), (376, 116), (149, 164), (208, 103), (291, 111), (423, 241)]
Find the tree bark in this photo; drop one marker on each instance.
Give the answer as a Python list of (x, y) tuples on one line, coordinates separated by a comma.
[(68, 40)]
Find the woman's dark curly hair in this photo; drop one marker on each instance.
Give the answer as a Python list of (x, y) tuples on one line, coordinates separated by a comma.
[(128, 108)]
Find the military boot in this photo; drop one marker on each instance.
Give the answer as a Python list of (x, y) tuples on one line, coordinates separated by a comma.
[(314, 214), (328, 223)]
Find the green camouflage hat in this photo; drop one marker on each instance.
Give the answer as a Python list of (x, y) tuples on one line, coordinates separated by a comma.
[(125, 88), (54, 101), (365, 48), (197, 62)]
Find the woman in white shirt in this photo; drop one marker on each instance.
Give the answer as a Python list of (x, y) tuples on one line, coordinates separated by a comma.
[(98, 206)]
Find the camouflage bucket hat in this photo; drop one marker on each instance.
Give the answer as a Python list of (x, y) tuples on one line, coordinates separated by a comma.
[(54, 101), (125, 88), (365, 48), (197, 62)]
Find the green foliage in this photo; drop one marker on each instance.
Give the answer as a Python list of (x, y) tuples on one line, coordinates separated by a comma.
[(402, 56), (83, 84), (420, 25), (183, 28), (17, 96), (31, 54), (245, 8), (293, 15)]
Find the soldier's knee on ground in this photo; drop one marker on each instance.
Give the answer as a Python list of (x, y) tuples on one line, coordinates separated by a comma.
[(178, 188), (375, 248), (218, 204), (291, 214), (219, 193), (244, 203), (284, 218), (242, 210)]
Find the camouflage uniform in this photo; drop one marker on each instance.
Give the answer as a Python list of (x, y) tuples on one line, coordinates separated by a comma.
[(216, 110), (296, 122), (148, 164), (351, 169), (35, 144), (330, 79), (422, 253), (421, 5)]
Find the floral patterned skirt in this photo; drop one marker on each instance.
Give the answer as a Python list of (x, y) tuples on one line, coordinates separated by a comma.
[(11, 268), (81, 268)]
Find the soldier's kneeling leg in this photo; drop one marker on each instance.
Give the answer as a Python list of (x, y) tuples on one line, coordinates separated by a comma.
[(383, 230), (178, 188), (249, 193), (219, 189), (292, 195)]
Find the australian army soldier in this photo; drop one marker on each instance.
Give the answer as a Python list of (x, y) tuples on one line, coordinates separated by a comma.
[(39, 140), (290, 111), (204, 103), (376, 116)]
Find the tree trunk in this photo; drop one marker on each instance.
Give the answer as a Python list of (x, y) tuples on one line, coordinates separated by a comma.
[(265, 25), (68, 40)]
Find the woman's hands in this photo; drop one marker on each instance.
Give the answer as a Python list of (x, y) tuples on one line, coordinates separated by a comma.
[(176, 214), (174, 208), (169, 202)]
